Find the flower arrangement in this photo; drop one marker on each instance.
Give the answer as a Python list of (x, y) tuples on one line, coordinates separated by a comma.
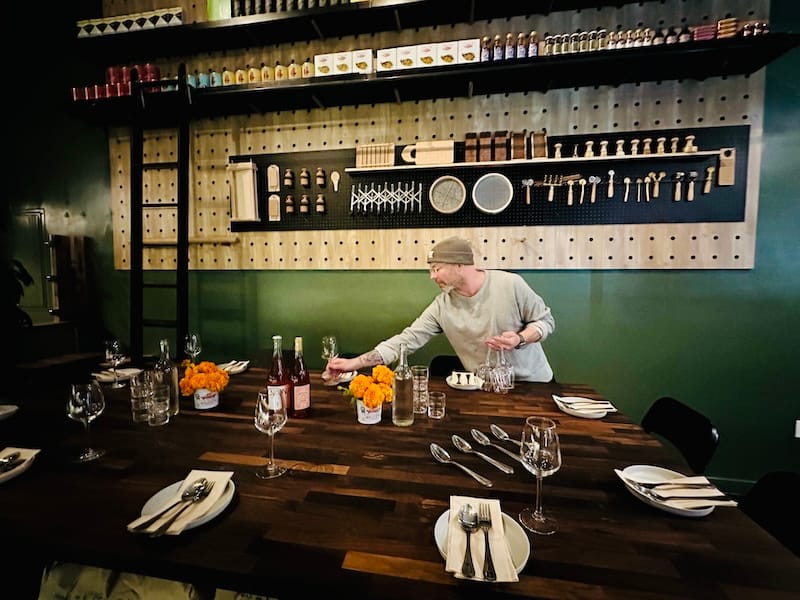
[(205, 375), (373, 390)]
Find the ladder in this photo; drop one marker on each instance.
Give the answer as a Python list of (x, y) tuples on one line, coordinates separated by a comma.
[(147, 304)]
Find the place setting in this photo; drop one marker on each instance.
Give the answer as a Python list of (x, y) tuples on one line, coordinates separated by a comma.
[(234, 367), (584, 408), (464, 380), (186, 504), (673, 492), (15, 461)]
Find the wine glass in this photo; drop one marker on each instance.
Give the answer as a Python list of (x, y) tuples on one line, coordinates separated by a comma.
[(115, 356), (270, 418), (541, 455), (329, 347), (85, 404), (192, 346)]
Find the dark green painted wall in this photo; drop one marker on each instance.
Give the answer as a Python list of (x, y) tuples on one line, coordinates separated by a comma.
[(723, 341)]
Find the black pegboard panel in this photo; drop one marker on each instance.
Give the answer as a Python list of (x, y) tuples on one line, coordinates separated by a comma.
[(722, 204)]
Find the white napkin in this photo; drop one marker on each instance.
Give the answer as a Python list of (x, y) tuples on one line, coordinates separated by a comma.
[(691, 503), (107, 376), (26, 453), (220, 479), (457, 542)]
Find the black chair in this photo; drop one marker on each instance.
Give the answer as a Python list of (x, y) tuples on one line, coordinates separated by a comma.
[(772, 503), (688, 430), (444, 364)]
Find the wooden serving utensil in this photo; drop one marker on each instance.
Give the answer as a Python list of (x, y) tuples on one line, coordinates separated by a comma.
[(527, 183)]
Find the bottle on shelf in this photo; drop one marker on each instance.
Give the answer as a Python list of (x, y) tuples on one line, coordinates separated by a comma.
[(293, 70), (166, 372), (253, 74), (533, 44), (486, 49), (279, 383), (300, 406), (307, 69), (510, 49), (498, 48), (403, 391), (280, 71), (203, 80), (227, 77), (214, 80), (240, 75), (522, 46), (267, 74)]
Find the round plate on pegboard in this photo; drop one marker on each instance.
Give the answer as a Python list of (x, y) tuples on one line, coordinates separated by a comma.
[(492, 193), (447, 194)]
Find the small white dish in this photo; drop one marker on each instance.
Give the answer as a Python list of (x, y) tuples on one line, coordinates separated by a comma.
[(238, 366), (160, 498), (518, 543), (583, 413), (653, 474), (6, 410), (18, 470), (343, 378), (476, 383)]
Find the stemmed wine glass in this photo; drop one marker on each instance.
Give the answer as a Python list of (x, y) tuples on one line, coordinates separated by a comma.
[(85, 404), (541, 455), (192, 346), (329, 347), (270, 418), (115, 356)]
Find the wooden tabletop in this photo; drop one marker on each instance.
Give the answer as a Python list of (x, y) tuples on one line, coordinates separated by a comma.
[(356, 512)]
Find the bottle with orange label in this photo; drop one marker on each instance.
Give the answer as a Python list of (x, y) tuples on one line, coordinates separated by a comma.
[(240, 75), (293, 70), (281, 72), (308, 68), (227, 77), (253, 74), (267, 74)]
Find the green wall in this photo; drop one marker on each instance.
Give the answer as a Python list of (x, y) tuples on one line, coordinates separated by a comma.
[(722, 341)]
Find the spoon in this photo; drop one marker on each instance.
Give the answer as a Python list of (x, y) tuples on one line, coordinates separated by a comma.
[(468, 518), (465, 446), (199, 494), (501, 434), (9, 458), (196, 487), (443, 456), (484, 440)]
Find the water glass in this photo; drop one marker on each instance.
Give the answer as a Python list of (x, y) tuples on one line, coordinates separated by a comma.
[(436, 405), (158, 409), (419, 378), (141, 395)]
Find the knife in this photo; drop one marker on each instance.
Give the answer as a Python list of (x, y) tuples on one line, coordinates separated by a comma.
[(10, 466)]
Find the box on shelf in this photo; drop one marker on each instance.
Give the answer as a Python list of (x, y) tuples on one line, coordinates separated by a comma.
[(363, 61), (323, 65), (469, 51), (407, 57), (426, 55), (342, 62), (386, 59), (447, 53)]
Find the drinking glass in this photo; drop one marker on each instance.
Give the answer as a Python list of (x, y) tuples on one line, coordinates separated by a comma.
[(192, 346), (330, 349), (541, 455), (85, 404), (115, 356), (270, 418)]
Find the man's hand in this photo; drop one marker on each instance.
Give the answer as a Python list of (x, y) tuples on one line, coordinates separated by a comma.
[(507, 340)]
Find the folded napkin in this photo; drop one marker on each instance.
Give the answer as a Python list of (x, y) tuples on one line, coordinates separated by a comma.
[(26, 454), (107, 376), (197, 510), (692, 503), (457, 542)]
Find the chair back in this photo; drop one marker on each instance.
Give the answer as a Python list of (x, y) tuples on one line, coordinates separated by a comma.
[(772, 503), (442, 365), (688, 430)]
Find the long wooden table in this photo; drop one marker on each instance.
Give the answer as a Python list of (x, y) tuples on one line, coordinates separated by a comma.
[(355, 514)]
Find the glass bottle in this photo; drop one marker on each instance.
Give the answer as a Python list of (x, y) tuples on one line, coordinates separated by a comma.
[(498, 48), (267, 74), (403, 391), (301, 383), (279, 383), (166, 372), (486, 49), (522, 45), (510, 51), (533, 45), (227, 77)]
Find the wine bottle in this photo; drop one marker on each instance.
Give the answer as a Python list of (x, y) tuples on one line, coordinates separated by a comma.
[(301, 383), (279, 384), (166, 372), (403, 391)]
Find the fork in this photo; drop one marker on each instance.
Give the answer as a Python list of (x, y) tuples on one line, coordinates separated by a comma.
[(166, 525), (485, 522)]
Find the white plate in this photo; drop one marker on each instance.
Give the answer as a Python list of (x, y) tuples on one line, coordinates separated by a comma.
[(476, 384), (518, 542), (6, 410), (343, 378), (582, 413), (160, 498), (18, 470), (122, 375), (235, 367), (652, 474)]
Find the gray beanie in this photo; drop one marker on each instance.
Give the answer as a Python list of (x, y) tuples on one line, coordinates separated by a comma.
[(454, 251)]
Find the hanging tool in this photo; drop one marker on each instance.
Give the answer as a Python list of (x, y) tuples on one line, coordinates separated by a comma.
[(647, 181), (527, 183), (582, 183), (638, 189), (335, 177), (657, 179), (678, 179), (690, 188), (727, 166), (594, 180), (610, 192), (569, 192), (709, 180), (627, 182)]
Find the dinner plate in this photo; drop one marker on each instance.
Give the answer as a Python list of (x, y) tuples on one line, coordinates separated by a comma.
[(518, 543), (343, 378), (475, 385), (583, 413), (6, 410), (235, 367), (652, 474), (160, 498), (18, 470)]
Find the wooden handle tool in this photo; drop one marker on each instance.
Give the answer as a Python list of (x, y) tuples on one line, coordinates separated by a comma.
[(709, 179)]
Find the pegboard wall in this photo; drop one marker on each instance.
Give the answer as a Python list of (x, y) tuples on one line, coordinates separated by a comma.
[(710, 239)]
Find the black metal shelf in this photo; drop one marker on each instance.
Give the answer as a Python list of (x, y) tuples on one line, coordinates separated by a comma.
[(691, 60), (321, 23)]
